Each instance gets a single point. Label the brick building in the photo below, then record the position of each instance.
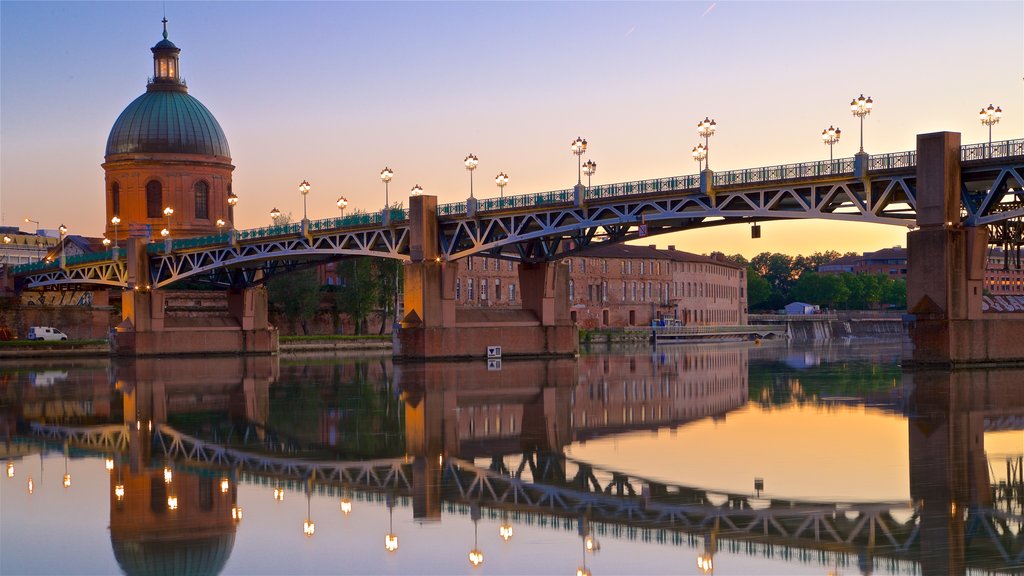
(623, 285)
(1002, 276)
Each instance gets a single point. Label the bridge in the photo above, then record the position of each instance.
(959, 197)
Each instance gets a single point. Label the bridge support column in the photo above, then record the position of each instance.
(946, 267)
(434, 328)
(146, 330)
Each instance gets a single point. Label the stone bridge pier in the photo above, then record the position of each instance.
(146, 329)
(946, 270)
(433, 328)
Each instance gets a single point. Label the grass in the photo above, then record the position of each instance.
(47, 343)
(315, 338)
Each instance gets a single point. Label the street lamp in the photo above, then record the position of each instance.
(416, 191)
(699, 154)
(168, 211)
(220, 225)
(861, 107)
(589, 167)
(304, 190)
(476, 556)
(391, 539)
(471, 161)
(36, 222)
(505, 529)
(386, 175)
(578, 147)
(7, 240)
(501, 180)
(342, 203)
(706, 129)
(309, 527)
(116, 220)
(106, 242)
(988, 117)
(63, 231)
(274, 214)
(830, 137)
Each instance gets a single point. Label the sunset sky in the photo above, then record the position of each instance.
(332, 92)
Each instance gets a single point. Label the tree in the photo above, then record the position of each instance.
(297, 295)
(357, 291)
(388, 273)
(758, 289)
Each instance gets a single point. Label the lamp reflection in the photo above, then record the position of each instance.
(391, 539)
(476, 556)
(10, 469)
(346, 504)
(505, 529)
(309, 527)
(31, 485)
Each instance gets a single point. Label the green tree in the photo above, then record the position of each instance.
(356, 293)
(758, 290)
(297, 295)
(388, 273)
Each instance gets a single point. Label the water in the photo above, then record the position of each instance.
(772, 459)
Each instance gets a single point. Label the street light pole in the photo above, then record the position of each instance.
(830, 137)
(706, 129)
(471, 161)
(386, 175)
(304, 190)
(589, 167)
(579, 147)
(699, 154)
(116, 220)
(417, 190)
(63, 230)
(861, 107)
(274, 215)
(168, 211)
(501, 180)
(342, 203)
(989, 117)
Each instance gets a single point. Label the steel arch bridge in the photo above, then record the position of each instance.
(550, 225)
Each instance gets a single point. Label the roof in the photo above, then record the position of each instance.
(169, 121)
(895, 253)
(610, 250)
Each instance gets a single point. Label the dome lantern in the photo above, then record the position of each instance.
(165, 64)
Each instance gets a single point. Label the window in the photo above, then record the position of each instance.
(572, 290)
(641, 267)
(604, 265)
(623, 291)
(469, 266)
(115, 199)
(590, 292)
(485, 264)
(604, 292)
(511, 292)
(509, 265)
(469, 289)
(570, 265)
(202, 201)
(497, 288)
(154, 199)
(483, 287)
(458, 288)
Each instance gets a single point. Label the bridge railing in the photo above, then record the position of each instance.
(1001, 149)
(837, 167)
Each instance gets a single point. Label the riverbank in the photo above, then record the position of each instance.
(23, 349)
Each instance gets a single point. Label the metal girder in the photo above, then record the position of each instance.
(555, 231)
(991, 196)
(387, 242)
(109, 273)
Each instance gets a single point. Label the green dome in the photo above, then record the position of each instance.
(204, 556)
(167, 121)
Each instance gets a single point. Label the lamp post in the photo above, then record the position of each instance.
(116, 221)
(168, 212)
(589, 167)
(63, 231)
(220, 225)
(501, 180)
(706, 129)
(861, 107)
(990, 116)
(106, 242)
(232, 202)
(7, 240)
(386, 175)
(471, 161)
(309, 527)
(417, 190)
(579, 147)
(342, 203)
(830, 137)
(391, 539)
(304, 190)
(476, 556)
(505, 529)
(274, 215)
(36, 222)
(699, 154)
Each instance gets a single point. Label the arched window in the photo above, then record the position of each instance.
(202, 201)
(115, 199)
(154, 199)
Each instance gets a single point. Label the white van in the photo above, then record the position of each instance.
(45, 333)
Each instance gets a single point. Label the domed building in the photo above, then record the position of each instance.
(166, 150)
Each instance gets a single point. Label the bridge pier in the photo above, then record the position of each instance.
(146, 329)
(946, 270)
(434, 329)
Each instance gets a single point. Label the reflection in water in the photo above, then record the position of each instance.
(178, 439)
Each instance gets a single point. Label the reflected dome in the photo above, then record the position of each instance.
(144, 554)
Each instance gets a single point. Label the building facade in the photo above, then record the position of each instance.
(623, 285)
(166, 150)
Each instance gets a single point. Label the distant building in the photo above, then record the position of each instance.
(19, 247)
(1003, 276)
(623, 285)
(801, 308)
